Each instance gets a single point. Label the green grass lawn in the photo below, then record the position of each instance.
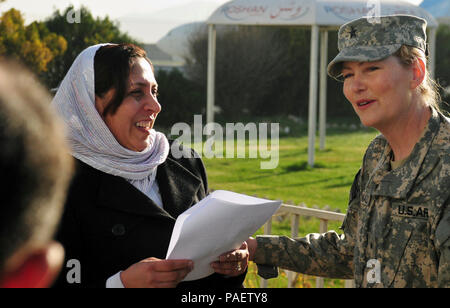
(328, 183)
(293, 181)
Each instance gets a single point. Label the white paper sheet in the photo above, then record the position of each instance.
(217, 224)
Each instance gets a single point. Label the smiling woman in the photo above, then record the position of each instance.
(130, 108)
(397, 227)
(128, 188)
(377, 90)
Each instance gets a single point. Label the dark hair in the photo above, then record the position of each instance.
(112, 69)
(34, 162)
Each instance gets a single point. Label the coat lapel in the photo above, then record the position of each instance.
(178, 187)
(118, 194)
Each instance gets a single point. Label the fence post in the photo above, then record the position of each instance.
(349, 283)
(267, 231)
(295, 219)
(322, 229)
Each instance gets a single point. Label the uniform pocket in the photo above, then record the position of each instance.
(405, 252)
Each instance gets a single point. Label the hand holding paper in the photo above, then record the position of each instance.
(233, 263)
(217, 224)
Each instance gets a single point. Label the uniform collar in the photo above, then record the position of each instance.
(397, 183)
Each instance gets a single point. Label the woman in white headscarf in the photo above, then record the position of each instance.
(128, 189)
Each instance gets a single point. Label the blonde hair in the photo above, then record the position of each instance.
(428, 88)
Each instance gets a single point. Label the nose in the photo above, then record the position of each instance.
(151, 104)
(357, 84)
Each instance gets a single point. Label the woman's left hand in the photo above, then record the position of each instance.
(232, 263)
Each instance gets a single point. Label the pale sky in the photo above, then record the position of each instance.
(145, 20)
(113, 8)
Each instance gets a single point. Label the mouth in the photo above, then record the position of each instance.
(364, 103)
(145, 125)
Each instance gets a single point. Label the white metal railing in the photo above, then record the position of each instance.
(295, 212)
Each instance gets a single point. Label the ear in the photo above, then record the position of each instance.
(39, 269)
(100, 104)
(418, 73)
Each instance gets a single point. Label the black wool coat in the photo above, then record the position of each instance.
(108, 224)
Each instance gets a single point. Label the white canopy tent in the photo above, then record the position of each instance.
(321, 16)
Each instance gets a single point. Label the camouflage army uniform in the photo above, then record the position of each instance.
(397, 227)
(400, 218)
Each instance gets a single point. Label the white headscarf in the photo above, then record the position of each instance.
(91, 140)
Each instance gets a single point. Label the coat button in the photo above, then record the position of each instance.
(118, 229)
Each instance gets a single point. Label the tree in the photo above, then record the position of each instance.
(79, 35)
(442, 73)
(262, 71)
(249, 61)
(34, 44)
(180, 98)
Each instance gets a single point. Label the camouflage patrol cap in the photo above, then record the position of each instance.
(375, 38)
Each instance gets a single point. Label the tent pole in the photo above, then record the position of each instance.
(312, 118)
(323, 87)
(211, 73)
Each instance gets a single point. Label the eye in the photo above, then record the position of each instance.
(155, 91)
(372, 68)
(347, 75)
(137, 93)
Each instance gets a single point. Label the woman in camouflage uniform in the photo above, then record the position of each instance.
(397, 227)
